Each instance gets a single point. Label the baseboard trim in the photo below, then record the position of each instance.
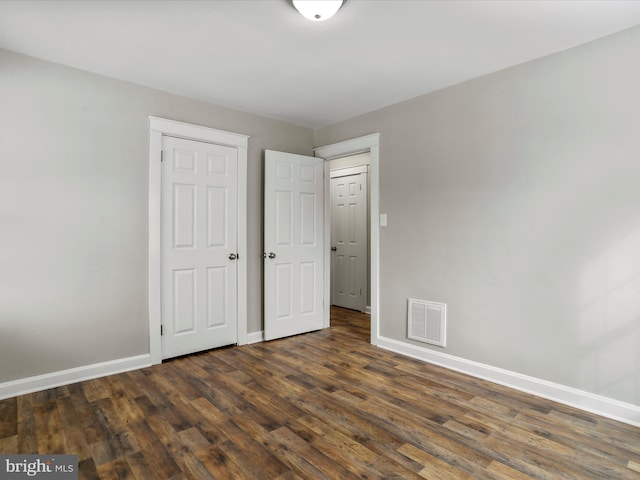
(72, 375)
(255, 337)
(603, 406)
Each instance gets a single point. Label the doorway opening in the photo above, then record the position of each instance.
(369, 144)
(350, 232)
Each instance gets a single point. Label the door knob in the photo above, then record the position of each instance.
(233, 256)
(333, 249)
(272, 255)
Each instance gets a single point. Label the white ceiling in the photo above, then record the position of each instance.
(261, 56)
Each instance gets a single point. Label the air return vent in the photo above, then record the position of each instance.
(427, 322)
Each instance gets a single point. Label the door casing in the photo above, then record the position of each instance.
(368, 143)
(159, 127)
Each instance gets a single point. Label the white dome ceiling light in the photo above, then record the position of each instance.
(317, 10)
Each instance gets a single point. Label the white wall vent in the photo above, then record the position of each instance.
(427, 322)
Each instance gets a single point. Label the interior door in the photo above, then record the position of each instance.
(198, 246)
(348, 241)
(294, 244)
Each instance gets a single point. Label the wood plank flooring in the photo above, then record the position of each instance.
(320, 405)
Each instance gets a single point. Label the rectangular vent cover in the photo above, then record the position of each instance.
(427, 322)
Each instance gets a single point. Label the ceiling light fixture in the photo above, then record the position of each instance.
(317, 10)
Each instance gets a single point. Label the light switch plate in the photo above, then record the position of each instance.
(383, 219)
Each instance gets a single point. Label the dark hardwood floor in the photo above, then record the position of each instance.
(321, 405)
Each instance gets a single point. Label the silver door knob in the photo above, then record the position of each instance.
(233, 256)
(272, 255)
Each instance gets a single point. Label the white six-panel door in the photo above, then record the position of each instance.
(349, 241)
(294, 242)
(198, 246)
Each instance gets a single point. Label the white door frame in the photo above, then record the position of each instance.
(157, 128)
(368, 143)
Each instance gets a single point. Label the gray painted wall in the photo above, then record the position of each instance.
(515, 199)
(73, 211)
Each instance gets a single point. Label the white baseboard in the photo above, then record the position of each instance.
(606, 407)
(255, 337)
(72, 375)
(367, 310)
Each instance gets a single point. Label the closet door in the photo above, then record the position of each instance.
(198, 246)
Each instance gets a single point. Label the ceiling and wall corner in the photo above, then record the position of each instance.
(263, 57)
